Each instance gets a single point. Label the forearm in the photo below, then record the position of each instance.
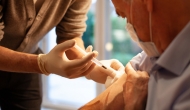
(135, 97)
(18, 62)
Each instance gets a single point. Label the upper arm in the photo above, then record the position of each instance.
(136, 60)
(73, 23)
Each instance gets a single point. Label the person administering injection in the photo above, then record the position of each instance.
(103, 71)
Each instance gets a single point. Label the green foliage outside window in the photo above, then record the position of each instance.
(123, 47)
(88, 36)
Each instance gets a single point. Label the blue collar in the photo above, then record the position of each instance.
(177, 55)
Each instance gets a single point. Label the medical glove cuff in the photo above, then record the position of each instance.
(41, 64)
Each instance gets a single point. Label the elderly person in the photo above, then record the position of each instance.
(161, 28)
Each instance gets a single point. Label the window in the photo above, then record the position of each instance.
(122, 47)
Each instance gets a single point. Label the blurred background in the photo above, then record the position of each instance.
(107, 33)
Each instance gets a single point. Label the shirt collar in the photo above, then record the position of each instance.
(177, 55)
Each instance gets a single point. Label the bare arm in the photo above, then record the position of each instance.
(129, 92)
(18, 62)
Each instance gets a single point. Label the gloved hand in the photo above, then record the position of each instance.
(117, 68)
(114, 69)
(57, 62)
(110, 80)
(107, 76)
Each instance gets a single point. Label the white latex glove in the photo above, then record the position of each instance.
(117, 68)
(114, 70)
(110, 80)
(100, 75)
(57, 62)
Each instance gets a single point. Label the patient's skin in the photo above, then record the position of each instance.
(110, 99)
(129, 92)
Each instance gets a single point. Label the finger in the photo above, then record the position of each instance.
(89, 48)
(132, 75)
(96, 53)
(88, 69)
(65, 45)
(135, 74)
(109, 71)
(129, 68)
(84, 70)
(83, 61)
(117, 65)
(143, 74)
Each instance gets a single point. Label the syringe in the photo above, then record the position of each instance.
(97, 62)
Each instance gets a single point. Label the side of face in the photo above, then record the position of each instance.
(165, 19)
(121, 8)
(136, 13)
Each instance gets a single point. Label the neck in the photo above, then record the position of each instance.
(168, 21)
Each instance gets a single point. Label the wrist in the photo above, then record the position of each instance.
(41, 64)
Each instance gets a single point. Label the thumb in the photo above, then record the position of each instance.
(65, 45)
(129, 68)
